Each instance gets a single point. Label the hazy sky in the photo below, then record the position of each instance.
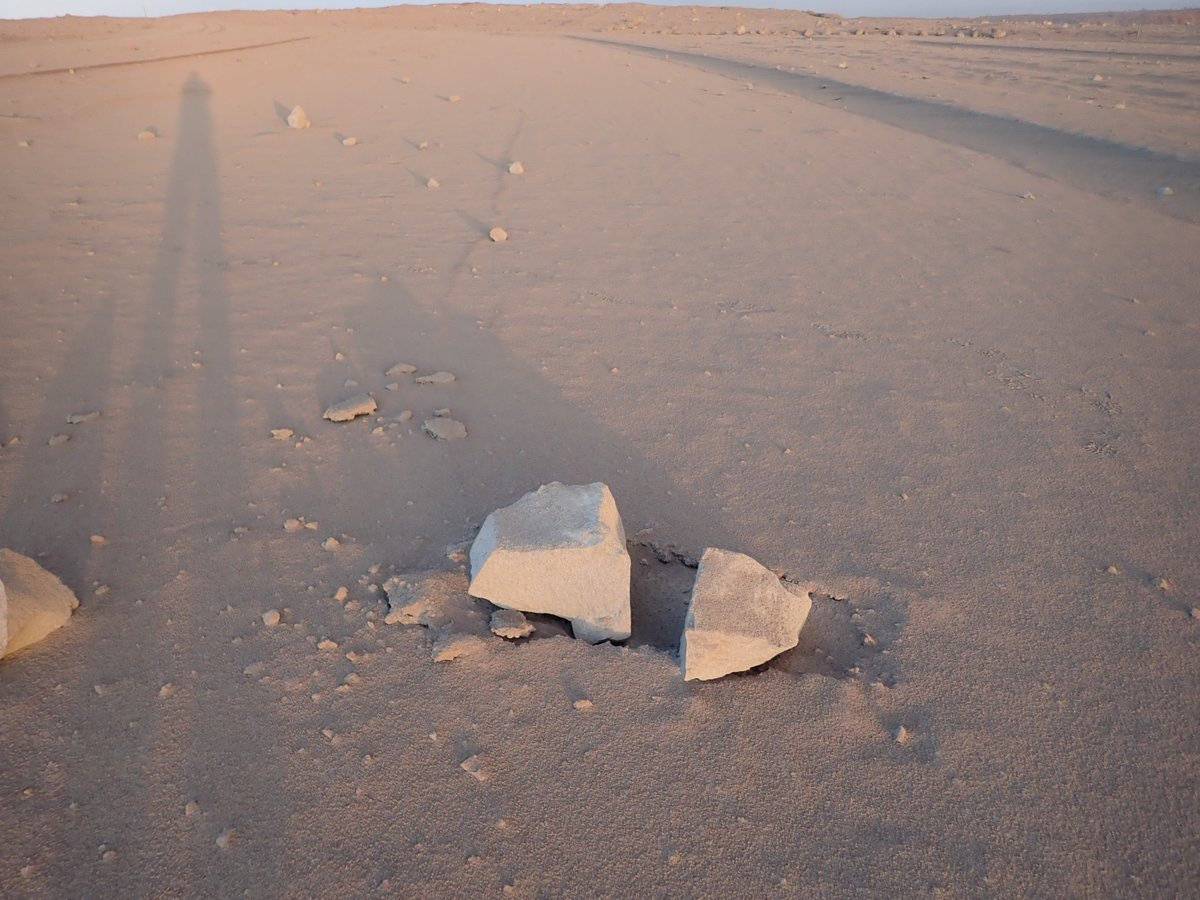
(10, 9)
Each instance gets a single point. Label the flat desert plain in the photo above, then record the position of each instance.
(911, 316)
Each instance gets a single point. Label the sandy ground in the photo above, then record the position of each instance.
(920, 328)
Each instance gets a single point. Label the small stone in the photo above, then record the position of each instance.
(473, 766)
(298, 118)
(902, 735)
(1195, 612)
(191, 808)
(58, 498)
(1097, 78)
(1163, 583)
(80, 418)
(442, 413)
(1028, 196)
(109, 856)
(515, 168)
(583, 705)
(146, 134)
(341, 594)
(511, 624)
(400, 369)
(225, 838)
(433, 184)
(444, 429)
(436, 378)
(345, 410)
(739, 616)
(282, 434)
(330, 544)
(349, 142)
(167, 691)
(1166, 192)
(391, 386)
(498, 234)
(271, 618)
(327, 644)
(454, 646)
(454, 98)
(254, 669)
(843, 65)
(292, 525)
(58, 439)
(1113, 570)
(405, 415)
(98, 539)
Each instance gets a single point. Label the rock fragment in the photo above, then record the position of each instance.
(298, 118)
(435, 378)
(271, 618)
(57, 439)
(473, 766)
(498, 235)
(348, 409)
(33, 602)
(558, 550)
(400, 369)
(349, 142)
(442, 428)
(739, 616)
(511, 624)
(80, 418)
(515, 168)
(433, 184)
(147, 134)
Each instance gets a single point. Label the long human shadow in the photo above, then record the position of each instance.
(1099, 166)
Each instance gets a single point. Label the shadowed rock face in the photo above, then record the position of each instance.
(739, 617)
(33, 602)
(558, 550)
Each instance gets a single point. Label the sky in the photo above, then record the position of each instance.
(15, 9)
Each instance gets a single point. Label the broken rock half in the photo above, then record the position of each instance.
(33, 602)
(740, 616)
(558, 550)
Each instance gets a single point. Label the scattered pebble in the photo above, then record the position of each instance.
(515, 168)
(345, 410)
(191, 808)
(298, 118)
(80, 418)
(400, 369)
(271, 618)
(498, 234)
(902, 735)
(1097, 78)
(327, 644)
(1113, 570)
(330, 544)
(58, 498)
(433, 184)
(147, 134)
(98, 539)
(436, 378)
(58, 439)
(454, 98)
(349, 142)
(292, 525)
(108, 855)
(341, 594)
(583, 705)
(167, 691)
(511, 624)
(1163, 583)
(843, 65)
(282, 434)
(473, 766)
(225, 838)
(444, 429)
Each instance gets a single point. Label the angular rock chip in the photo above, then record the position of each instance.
(498, 234)
(511, 624)
(558, 550)
(435, 378)
(444, 429)
(345, 410)
(33, 602)
(740, 616)
(298, 118)
(400, 369)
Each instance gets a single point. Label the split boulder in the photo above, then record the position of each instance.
(558, 550)
(740, 615)
(33, 602)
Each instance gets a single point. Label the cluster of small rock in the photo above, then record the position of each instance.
(561, 550)
(439, 426)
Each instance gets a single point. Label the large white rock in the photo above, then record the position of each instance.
(558, 550)
(33, 602)
(740, 616)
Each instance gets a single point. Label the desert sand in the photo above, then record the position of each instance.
(914, 317)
